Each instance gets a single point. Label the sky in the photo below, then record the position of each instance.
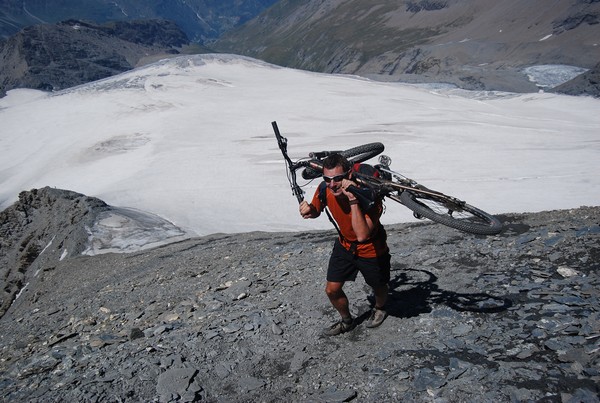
(189, 140)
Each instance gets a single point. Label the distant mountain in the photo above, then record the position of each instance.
(53, 57)
(474, 44)
(201, 20)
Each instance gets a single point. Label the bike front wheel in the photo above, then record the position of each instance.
(445, 210)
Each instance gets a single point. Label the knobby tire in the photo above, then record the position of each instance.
(354, 155)
(464, 217)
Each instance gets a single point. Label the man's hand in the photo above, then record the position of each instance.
(306, 210)
(346, 183)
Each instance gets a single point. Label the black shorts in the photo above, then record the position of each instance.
(344, 266)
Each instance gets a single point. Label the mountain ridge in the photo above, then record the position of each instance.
(473, 44)
(53, 57)
(201, 20)
(478, 45)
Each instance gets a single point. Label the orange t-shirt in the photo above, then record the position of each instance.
(340, 210)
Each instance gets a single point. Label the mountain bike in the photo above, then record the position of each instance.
(424, 202)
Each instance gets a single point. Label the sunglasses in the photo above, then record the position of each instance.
(337, 178)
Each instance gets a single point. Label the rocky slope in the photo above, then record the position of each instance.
(54, 57)
(239, 317)
(474, 44)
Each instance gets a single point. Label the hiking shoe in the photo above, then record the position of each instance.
(339, 328)
(377, 317)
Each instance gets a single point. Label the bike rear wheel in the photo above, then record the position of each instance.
(354, 155)
(363, 153)
(443, 210)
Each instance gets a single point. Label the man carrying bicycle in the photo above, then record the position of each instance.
(361, 245)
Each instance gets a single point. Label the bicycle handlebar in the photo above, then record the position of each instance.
(291, 168)
(315, 164)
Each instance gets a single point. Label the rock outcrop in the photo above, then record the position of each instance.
(48, 225)
(587, 83)
(42, 228)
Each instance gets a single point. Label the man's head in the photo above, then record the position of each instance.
(336, 168)
(335, 160)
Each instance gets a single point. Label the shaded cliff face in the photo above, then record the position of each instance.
(587, 83)
(239, 317)
(54, 57)
(474, 44)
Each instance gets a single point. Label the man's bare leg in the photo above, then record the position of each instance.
(338, 298)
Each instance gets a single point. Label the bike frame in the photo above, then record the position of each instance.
(408, 184)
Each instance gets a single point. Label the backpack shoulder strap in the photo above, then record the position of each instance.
(323, 199)
(323, 194)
